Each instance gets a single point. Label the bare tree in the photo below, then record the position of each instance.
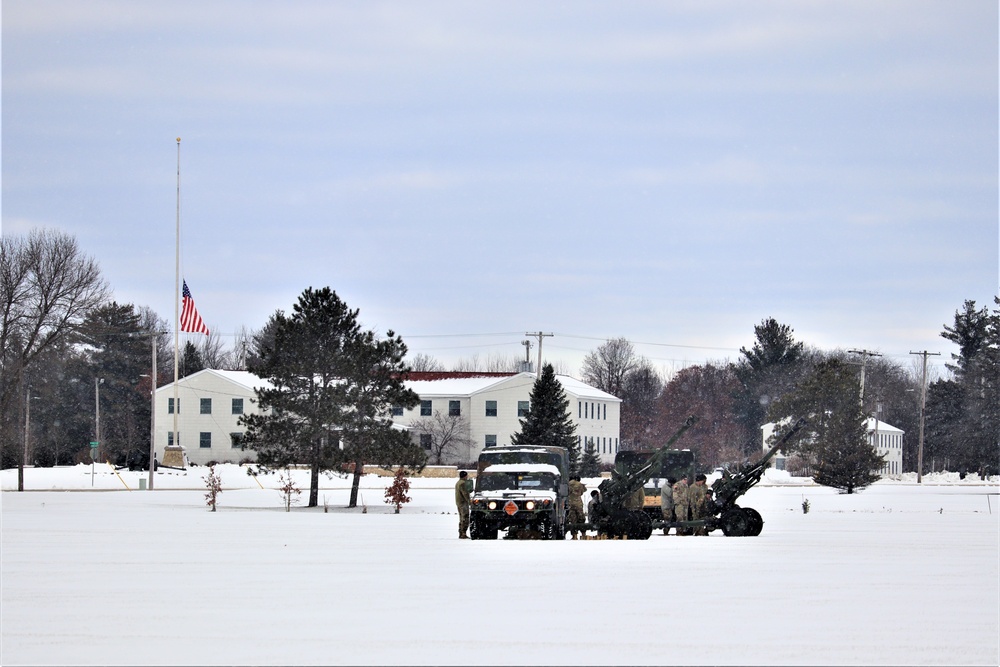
(446, 435)
(425, 364)
(607, 367)
(213, 352)
(47, 287)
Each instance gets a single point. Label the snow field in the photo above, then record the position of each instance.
(899, 574)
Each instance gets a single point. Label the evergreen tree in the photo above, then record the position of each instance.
(548, 421)
(590, 462)
(191, 360)
(963, 413)
(767, 371)
(328, 378)
(836, 438)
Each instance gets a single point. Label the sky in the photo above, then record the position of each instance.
(466, 173)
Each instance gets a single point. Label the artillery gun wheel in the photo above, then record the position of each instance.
(756, 521)
(640, 526)
(737, 523)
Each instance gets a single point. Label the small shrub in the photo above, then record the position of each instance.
(805, 506)
(214, 484)
(395, 494)
(288, 490)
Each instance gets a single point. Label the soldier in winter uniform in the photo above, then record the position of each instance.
(667, 501)
(574, 503)
(463, 498)
(696, 499)
(681, 502)
(595, 498)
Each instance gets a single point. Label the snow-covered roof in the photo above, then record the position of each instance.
(522, 467)
(245, 379)
(461, 385)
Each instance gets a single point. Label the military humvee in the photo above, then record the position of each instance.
(522, 490)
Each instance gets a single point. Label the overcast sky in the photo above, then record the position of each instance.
(670, 172)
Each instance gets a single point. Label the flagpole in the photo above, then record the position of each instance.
(173, 455)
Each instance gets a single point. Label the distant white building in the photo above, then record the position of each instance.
(488, 405)
(885, 438)
(210, 405)
(493, 405)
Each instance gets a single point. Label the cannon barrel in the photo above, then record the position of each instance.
(731, 486)
(614, 491)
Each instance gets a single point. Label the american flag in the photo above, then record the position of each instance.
(190, 319)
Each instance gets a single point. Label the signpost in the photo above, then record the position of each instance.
(93, 457)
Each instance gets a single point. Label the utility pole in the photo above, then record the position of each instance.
(864, 362)
(153, 336)
(540, 335)
(923, 409)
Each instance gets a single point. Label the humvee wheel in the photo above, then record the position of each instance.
(756, 521)
(481, 530)
(736, 523)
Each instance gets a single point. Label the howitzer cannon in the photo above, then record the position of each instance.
(732, 519)
(613, 516)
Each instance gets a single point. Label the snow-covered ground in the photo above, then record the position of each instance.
(899, 574)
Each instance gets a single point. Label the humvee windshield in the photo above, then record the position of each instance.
(527, 481)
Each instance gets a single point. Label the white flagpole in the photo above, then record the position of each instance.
(177, 312)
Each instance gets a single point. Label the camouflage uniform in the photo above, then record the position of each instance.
(667, 502)
(575, 504)
(696, 498)
(636, 500)
(463, 497)
(681, 501)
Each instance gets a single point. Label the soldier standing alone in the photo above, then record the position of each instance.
(575, 503)
(463, 497)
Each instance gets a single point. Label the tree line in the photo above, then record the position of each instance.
(779, 378)
(63, 343)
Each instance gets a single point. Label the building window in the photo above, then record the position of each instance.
(206, 406)
(522, 408)
(237, 406)
(426, 440)
(205, 440)
(491, 440)
(579, 409)
(491, 408)
(170, 406)
(454, 408)
(170, 438)
(425, 408)
(397, 411)
(605, 411)
(237, 440)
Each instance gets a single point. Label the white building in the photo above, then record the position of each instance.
(492, 405)
(488, 405)
(885, 438)
(210, 405)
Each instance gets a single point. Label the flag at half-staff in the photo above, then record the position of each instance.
(190, 319)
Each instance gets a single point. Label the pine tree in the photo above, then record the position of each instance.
(548, 421)
(837, 436)
(328, 379)
(590, 462)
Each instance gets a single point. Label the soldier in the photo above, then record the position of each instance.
(463, 497)
(681, 502)
(575, 503)
(595, 498)
(636, 500)
(667, 502)
(696, 500)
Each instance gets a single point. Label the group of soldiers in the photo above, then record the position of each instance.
(680, 501)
